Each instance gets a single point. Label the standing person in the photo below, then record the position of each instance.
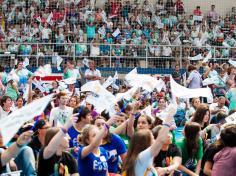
(23, 74)
(139, 160)
(195, 79)
(84, 118)
(60, 114)
(114, 145)
(92, 74)
(53, 158)
(231, 96)
(176, 75)
(71, 72)
(225, 160)
(12, 89)
(191, 147)
(38, 139)
(92, 159)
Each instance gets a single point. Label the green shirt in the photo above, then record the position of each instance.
(181, 144)
(11, 93)
(124, 137)
(72, 74)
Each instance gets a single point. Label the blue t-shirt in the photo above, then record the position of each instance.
(73, 133)
(93, 165)
(114, 148)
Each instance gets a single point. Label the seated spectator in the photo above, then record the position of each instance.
(169, 158)
(23, 155)
(191, 147)
(197, 11)
(176, 75)
(224, 160)
(218, 107)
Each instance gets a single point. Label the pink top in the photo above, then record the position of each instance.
(225, 162)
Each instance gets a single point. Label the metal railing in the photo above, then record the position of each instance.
(112, 55)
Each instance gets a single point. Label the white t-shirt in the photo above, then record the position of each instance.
(143, 162)
(3, 113)
(45, 33)
(214, 106)
(90, 72)
(58, 116)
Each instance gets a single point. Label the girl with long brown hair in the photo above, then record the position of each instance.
(202, 117)
(143, 148)
(191, 147)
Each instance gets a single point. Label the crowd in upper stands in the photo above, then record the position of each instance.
(143, 27)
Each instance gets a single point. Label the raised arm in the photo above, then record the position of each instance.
(14, 149)
(164, 131)
(95, 143)
(29, 100)
(52, 147)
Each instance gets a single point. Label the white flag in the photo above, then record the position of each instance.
(148, 112)
(100, 97)
(108, 82)
(126, 95)
(86, 62)
(147, 82)
(232, 62)
(43, 71)
(102, 31)
(231, 119)
(226, 44)
(183, 92)
(59, 60)
(26, 62)
(196, 58)
(170, 110)
(38, 85)
(209, 56)
(13, 76)
(12, 123)
(49, 19)
(116, 32)
(126, 22)
(139, 21)
(209, 81)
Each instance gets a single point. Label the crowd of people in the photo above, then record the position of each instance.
(119, 29)
(74, 136)
(132, 125)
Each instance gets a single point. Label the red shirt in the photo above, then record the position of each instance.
(56, 16)
(197, 12)
(115, 8)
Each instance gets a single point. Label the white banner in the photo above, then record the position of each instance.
(12, 123)
(183, 92)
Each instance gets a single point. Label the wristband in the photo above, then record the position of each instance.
(64, 130)
(18, 145)
(166, 124)
(107, 126)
